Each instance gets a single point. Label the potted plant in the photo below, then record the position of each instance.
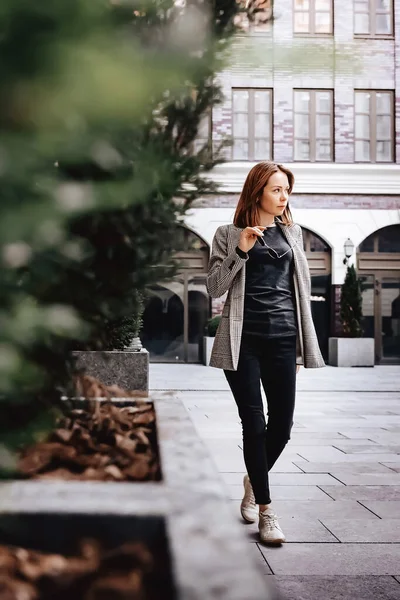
(208, 338)
(351, 350)
(121, 359)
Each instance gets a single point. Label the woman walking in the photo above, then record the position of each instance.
(266, 330)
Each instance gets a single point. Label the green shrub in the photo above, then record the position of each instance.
(351, 304)
(212, 325)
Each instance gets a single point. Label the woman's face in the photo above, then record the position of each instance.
(275, 195)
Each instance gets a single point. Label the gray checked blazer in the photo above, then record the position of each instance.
(227, 273)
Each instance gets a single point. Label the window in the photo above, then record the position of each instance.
(373, 18)
(374, 126)
(386, 240)
(254, 16)
(313, 17)
(252, 124)
(313, 125)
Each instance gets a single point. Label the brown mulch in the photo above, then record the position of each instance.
(95, 573)
(100, 442)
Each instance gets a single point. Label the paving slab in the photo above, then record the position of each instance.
(365, 530)
(369, 478)
(297, 530)
(306, 530)
(284, 466)
(287, 478)
(373, 433)
(229, 463)
(362, 492)
(352, 467)
(371, 448)
(386, 437)
(259, 559)
(393, 420)
(326, 455)
(284, 492)
(385, 509)
(393, 466)
(329, 425)
(333, 559)
(297, 443)
(317, 435)
(320, 509)
(337, 588)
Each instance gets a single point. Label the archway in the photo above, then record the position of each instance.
(176, 311)
(319, 259)
(378, 265)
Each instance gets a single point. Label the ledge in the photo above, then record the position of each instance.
(319, 178)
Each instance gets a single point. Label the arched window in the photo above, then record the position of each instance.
(194, 253)
(378, 266)
(318, 253)
(313, 243)
(383, 240)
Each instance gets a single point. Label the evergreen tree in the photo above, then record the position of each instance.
(100, 104)
(351, 304)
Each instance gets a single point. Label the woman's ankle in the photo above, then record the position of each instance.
(263, 507)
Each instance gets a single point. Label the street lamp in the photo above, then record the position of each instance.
(348, 250)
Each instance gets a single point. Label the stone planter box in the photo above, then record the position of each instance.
(206, 544)
(352, 352)
(129, 370)
(208, 343)
(61, 534)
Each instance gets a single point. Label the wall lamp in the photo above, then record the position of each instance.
(348, 250)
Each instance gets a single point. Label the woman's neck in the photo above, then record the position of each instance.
(265, 219)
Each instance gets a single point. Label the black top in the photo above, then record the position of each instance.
(269, 305)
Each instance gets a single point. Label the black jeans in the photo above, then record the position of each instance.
(273, 362)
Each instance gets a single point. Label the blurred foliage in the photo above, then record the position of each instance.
(100, 103)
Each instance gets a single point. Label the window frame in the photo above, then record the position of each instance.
(311, 23)
(251, 123)
(312, 125)
(373, 126)
(372, 12)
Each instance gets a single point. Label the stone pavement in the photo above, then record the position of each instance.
(336, 487)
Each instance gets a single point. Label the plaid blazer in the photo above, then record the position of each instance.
(227, 273)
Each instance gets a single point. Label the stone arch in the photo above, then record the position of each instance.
(378, 266)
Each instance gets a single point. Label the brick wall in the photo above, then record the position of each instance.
(284, 62)
(397, 75)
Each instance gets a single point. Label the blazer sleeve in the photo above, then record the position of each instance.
(222, 267)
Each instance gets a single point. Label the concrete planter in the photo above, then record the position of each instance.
(129, 370)
(352, 352)
(208, 551)
(208, 343)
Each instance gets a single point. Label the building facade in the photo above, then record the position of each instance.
(318, 90)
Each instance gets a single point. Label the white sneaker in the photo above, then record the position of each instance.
(269, 528)
(248, 506)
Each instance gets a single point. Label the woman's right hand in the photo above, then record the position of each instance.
(249, 236)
